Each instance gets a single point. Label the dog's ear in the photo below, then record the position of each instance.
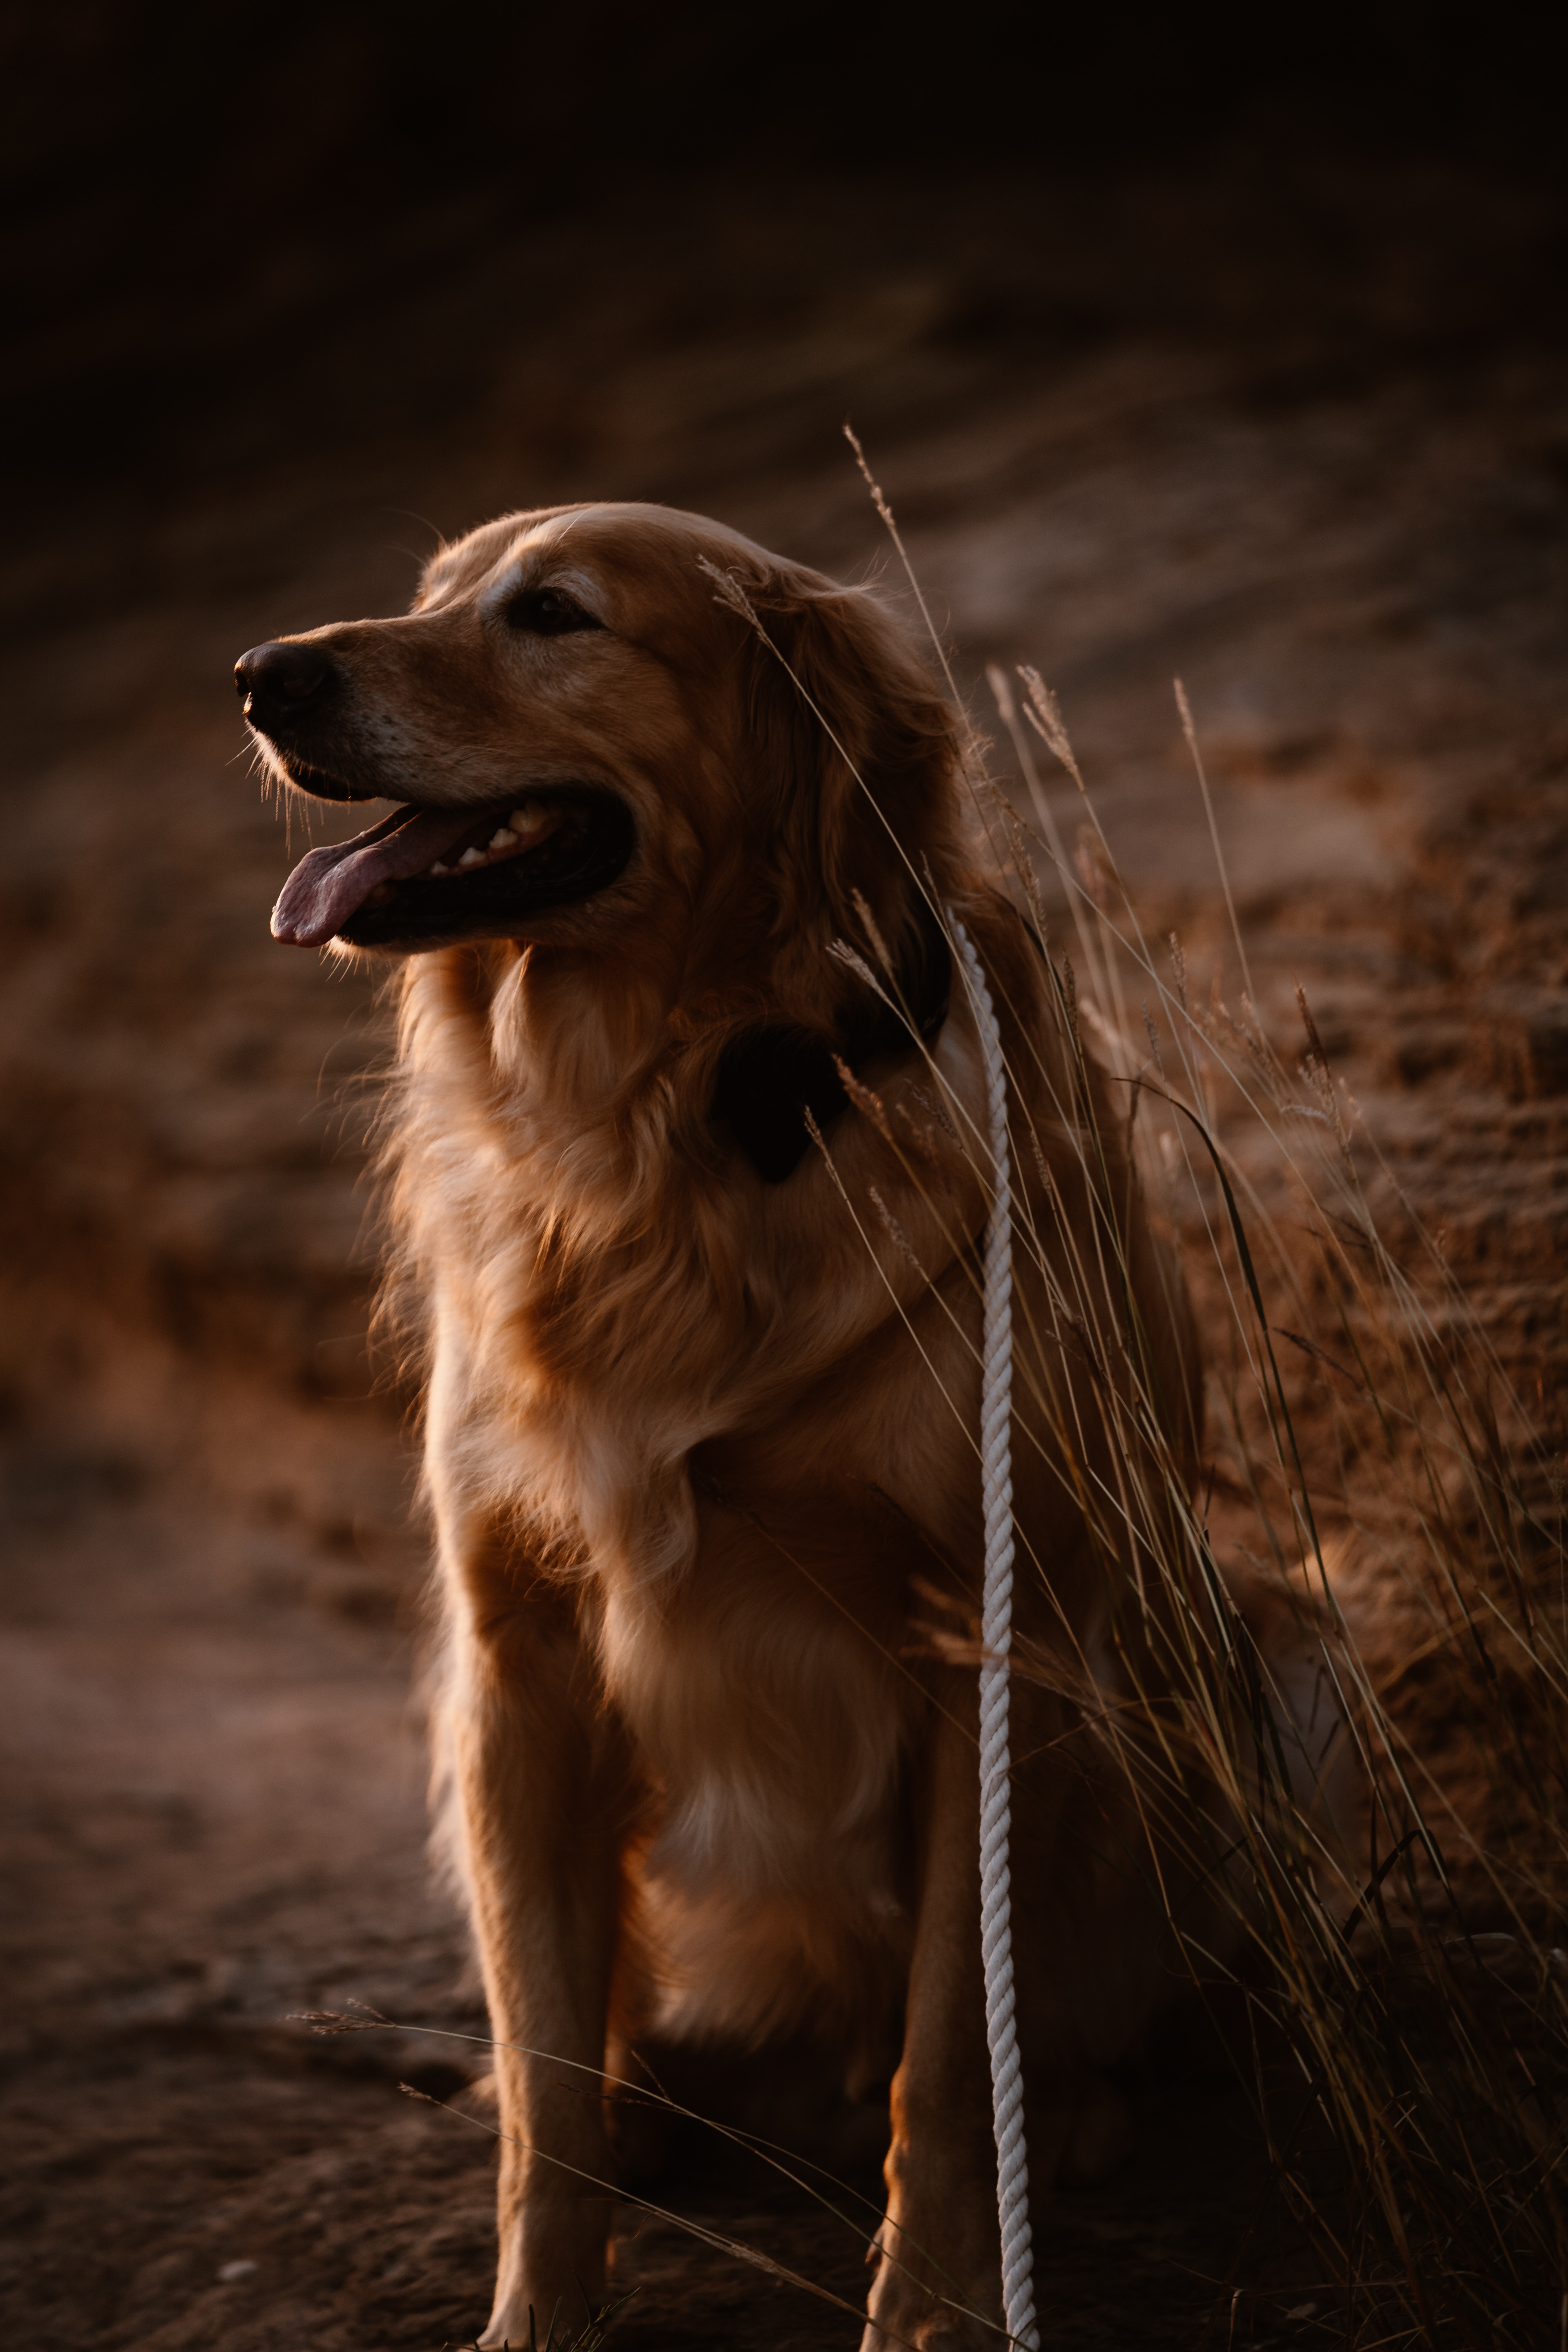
(852, 751)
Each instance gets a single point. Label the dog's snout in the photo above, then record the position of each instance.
(284, 682)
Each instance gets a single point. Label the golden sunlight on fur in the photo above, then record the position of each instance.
(701, 1407)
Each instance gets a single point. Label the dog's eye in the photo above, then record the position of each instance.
(548, 613)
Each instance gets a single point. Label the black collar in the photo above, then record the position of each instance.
(769, 1078)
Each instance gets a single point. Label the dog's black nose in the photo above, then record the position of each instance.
(278, 681)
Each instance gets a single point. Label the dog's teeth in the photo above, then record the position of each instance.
(527, 820)
(438, 868)
(503, 837)
(471, 857)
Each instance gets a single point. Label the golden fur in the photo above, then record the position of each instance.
(699, 1447)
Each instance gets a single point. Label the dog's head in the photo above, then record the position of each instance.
(581, 726)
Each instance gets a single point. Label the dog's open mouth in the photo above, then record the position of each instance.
(428, 876)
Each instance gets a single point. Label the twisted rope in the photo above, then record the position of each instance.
(997, 1636)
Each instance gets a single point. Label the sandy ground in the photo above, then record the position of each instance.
(1316, 465)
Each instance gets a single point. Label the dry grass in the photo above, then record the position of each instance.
(1354, 1633)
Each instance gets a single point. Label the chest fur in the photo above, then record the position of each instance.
(766, 1699)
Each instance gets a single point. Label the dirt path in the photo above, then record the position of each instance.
(1327, 483)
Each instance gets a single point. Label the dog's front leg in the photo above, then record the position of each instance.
(940, 2248)
(540, 1785)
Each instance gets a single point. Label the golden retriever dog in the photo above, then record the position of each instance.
(691, 1198)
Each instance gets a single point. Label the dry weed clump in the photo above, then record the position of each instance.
(1339, 1669)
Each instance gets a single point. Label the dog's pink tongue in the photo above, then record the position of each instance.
(330, 884)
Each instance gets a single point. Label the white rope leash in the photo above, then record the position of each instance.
(997, 1636)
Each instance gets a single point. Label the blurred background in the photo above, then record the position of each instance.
(1181, 344)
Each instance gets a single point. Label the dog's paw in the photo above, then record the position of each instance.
(537, 2312)
(939, 2331)
(906, 2316)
